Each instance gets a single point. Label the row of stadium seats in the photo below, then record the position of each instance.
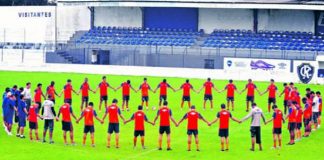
(272, 40)
(140, 36)
(10, 45)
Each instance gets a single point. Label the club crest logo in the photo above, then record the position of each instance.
(305, 72)
(229, 63)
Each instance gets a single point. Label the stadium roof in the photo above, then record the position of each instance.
(243, 4)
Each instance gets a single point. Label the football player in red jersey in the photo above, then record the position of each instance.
(163, 90)
(286, 93)
(38, 96)
(33, 122)
(139, 117)
(223, 116)
(88, 114)
(145, 87)
(292, 116)
(272, 89)
(186, 87)
(230, 87)
(126, 86)
(165, 115)
(113, 112)
(66, 111)
(67, 91)
(307, 114)
(208, 85)
(250, 87)
(299, 118)
(103, 86)
(85, 88)
(51, 91)
(277, 119)
(318, 94)
(192, 126)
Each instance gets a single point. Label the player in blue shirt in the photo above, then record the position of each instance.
(10, 108)
(4, 101)
(22, 115)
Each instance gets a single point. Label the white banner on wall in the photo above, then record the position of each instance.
(254, 64)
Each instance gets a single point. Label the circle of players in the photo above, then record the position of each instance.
(19, 105)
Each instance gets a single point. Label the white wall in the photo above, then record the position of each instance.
(22, 57)
(71, 19)
(118, 16)
(210, 19)
(286, 20)
(27, 24)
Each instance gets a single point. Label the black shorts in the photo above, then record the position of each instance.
(49, 124)
(208, 97)
(85, 99)
(250, 98)
(319, 113)
(291, 126)
(113, 127)
(163, 97)
(33, 125)
(126, 98)
(139, 133)
(315, 116)
(256, 133)
(53, 100)
(185, 98)
(67, 126)
(223, 133)
(276, 131)
(103, 98)
(145, 98)
(306, 121)
(230, 99)
(69, 101)
(285, 103)
(165, 129)
(16, 118)
(272, 100)
(299, 126)
(192, 132)
(88, 129)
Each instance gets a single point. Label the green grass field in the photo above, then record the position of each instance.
(12, 148)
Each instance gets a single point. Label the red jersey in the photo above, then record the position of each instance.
(277, 119)
(308, 110)
(250, 89)
(298, 99)
(145, 89)
(230, 89)
(293, 95)
(38, 95)
(208, 87)
(186, 89)
(292, 114)
(113, 112)
(88, 114)
(66, 111)
(68, 91)
(126, 88)
(299, 116)
(164, 114)
(192, 117)
(51, 91)
(163, 88)
(85, 89)
(139, 118)
(320, 101)
(272, 90)
(32, 114)
(103, 88)
(224, 117)
(286, 92)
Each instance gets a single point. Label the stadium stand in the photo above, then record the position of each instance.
(270, 40)
(140, 36)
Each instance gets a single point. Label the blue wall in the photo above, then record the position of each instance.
(171, 18)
